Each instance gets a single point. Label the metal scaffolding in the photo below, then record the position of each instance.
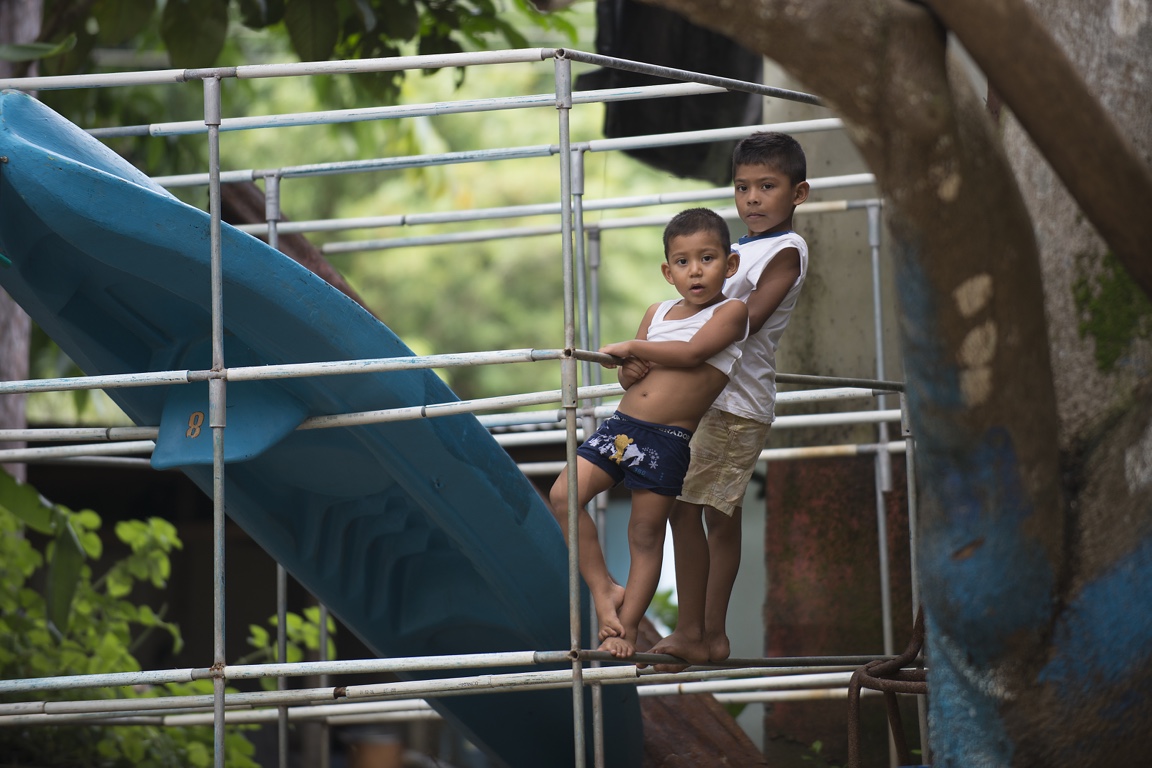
(579, 406)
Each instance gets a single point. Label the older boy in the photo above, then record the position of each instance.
(769, 171)
(673, 370)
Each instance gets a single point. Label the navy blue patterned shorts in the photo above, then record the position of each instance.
(646, 456)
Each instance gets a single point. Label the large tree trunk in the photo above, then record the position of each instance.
(19, 23)
(1032, 558)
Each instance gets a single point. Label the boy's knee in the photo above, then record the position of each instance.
(684, 515)
(646, 537)
(558, 501)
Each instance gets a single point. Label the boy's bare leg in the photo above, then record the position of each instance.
(607, 595)
(646, 527)
(690, 544)
(723, 565)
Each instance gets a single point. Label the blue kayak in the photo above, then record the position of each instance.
(421, 536)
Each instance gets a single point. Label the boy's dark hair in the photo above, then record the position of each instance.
(694, 220)
(778, 150)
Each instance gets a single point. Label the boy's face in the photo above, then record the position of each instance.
(765, 198)
(698, 264)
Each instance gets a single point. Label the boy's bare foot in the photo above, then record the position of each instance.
(607, 612)
(693, 651)
(718, 647)
(619, 647)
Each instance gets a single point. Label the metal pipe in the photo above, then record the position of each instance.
(80, 433)
(293, 69)
(483, 235)
(291, 370)
(508, 439)
(683, 74)
(552, 209)
(325, 730)
(272, 216)
(403, 111)
(506, 153)
(89, 449)
(545, 468)
(774, 683)
(282, 657)
(782, 696)
(569, 392)
(546, 437)
(217, 408)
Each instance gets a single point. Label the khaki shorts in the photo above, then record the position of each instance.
(725, 449)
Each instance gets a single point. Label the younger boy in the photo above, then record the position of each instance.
(674, 368)
(769, 171)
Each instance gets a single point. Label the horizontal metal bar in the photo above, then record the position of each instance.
(553, 468)
(394, 63)
(483, 235)
(838, 381)
(686, 75)
(774, 683)
(449, 409)
(79, 433)
(292, 69)
(403, 111)
(87, 449)
(110, 381)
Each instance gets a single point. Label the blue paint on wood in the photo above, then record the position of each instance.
(1102, 638)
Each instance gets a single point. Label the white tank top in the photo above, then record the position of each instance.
(683, 330)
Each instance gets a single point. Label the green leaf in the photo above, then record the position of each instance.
(194, 31)
(257, 636)
(398, 19)
(258, 14)
(63, 577)
(121, 20)
(35, 51)
(118, 582)
(86, 519)
(313, 27)
(25, 503)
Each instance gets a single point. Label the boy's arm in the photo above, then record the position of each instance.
(727, 324)
(632, 370)
(774, 283)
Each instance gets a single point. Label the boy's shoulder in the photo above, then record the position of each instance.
(767, 245)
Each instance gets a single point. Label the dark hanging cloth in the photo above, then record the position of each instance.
(628, 29)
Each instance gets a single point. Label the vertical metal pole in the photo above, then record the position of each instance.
(579, 258)
(883, 458)
(913, 540)
(563, 68)
(594, 297)
(282, 657)
(587, 421)
(272, 216)
(878, 326)
(216, 411)
(325, 729)
(883, 461)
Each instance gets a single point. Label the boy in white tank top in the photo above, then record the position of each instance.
(769, 172)
(679, 361)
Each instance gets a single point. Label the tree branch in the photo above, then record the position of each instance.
(1099, 167)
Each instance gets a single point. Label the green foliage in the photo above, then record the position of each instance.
(78, 625)
(193, 31)
(1113, 310)
(664, 608)
(303, 635)
(24, 52)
